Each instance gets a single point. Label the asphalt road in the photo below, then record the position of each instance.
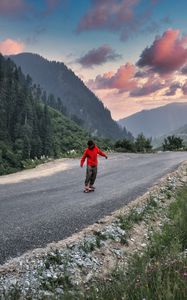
(41, 210)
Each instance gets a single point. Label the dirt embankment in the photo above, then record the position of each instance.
(47, 169)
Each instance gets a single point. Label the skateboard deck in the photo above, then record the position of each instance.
(89, 191)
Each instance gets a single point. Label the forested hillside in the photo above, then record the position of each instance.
(81, 104)
(28, 127)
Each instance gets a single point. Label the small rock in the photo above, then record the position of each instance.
(59, 291)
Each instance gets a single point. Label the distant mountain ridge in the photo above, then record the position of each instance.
(56, 78)
(158, 121)
(180, 132)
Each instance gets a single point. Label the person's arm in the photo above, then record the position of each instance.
(101, 153)
(83, 158)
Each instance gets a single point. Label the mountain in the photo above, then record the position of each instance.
(158, 121)
(29, 128)
(81, 104)
(180, 132)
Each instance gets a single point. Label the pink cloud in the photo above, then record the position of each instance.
(122, 79)
(98, 56)
(167, 54)
(9, 46)
(9, 7)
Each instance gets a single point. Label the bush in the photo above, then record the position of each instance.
(172, 143)
(141, 144)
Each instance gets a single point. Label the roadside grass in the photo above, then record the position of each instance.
(13, 294)
(160, 272)
(136, 215)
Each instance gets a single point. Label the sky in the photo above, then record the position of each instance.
(131, 53)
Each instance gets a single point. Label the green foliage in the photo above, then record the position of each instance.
(52, 259)
(29, 128)
(100, 235)
(172, 143)
(178, 212)
(141, 144)
(124, 146)
(89, 246)
(136, 215)
(13, 294)
(32, 163)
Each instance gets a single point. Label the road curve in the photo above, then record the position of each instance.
(41, 210)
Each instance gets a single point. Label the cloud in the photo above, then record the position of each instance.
(122, 79)
(167, 54)
(15, 8)
(173, 88)
(114, 15)
(107, 14)
(9, 46)
(151, 86)
(184, 88)
(98, 56)
(153, 26)
(9, 7)
(141, 74)
(184, 70)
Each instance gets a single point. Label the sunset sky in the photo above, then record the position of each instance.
(131, 53)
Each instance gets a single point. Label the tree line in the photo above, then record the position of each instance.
(140, 144)
(143, 144)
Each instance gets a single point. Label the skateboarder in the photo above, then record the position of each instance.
(91, 154)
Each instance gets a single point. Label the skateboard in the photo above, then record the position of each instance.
(89, 191)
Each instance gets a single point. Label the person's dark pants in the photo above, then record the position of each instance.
(91, 174)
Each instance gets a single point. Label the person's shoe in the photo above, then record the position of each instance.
(92, 187)
(86, 189)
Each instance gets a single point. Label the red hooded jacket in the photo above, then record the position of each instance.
(91, 155)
